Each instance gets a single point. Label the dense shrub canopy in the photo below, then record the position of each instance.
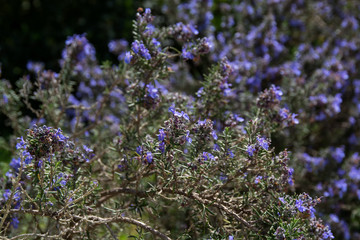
(220, 120)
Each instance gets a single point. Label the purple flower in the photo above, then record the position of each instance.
(327, 235)
(5, 98)
(283, 113)
(263, 143)
(21, 143)
(200, 92)
(338, 154)
(230, 153)
(213, 134)
(188, 138)
(6, 194)
(59, 136)
(186, 52)
(320, 99)
(182, 114)
(290, 171)
(117, 46)
(139, 150)
(336, 103)
(277, 91)
(238, 118)
(293, 118)
(257, 179)
(155, 42)
(250, 150)
(152, 91)
(354, 173)
(149, 157)
(162, 135)
(128, 57)
(35, 67)
(87, 150)
(299, 205)
(162, 147)
(207, 156)
(342, 186)
(14, 222)
(140, 49)
(63, 182)
(27, 156)
(172, 108)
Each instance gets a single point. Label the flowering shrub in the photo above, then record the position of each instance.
(150, 149)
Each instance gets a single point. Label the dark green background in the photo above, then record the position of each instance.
(37, 29)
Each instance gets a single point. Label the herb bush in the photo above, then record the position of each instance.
(221, 121)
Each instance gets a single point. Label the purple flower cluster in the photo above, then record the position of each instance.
(140, 49)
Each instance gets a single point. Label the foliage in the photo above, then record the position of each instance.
(243, 152)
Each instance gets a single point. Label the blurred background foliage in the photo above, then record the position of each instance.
(36, 30)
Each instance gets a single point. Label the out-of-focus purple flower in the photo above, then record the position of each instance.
(128, 57)
(152, 91)
(87, 150)
(162, 135)
(213, 134)
(5, 98)
(172, 108)
(156, 43)
(35, 67)
(15, 163)
(358, 193)
(230, 153)
(207, 156)
(336, 103)
(341, 185)
(188, 138)
(63, 182)
(162, 147)
(283, 113)
(149, 157)
(354, 174)
(250, 150)
(313, 161)
(199, 92)
(338, 154)
(6, 194)
(320, 99)
(334, 218)
(186, 52)
(238, 118)
(21, 143)
(139, 150)
(299, 205)
(290, 179)
(327, 235)
(117, 46)
(293, 118)
(14, 222)
(277, 91)
(263, 143)
(257, 179)
(182, 114)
